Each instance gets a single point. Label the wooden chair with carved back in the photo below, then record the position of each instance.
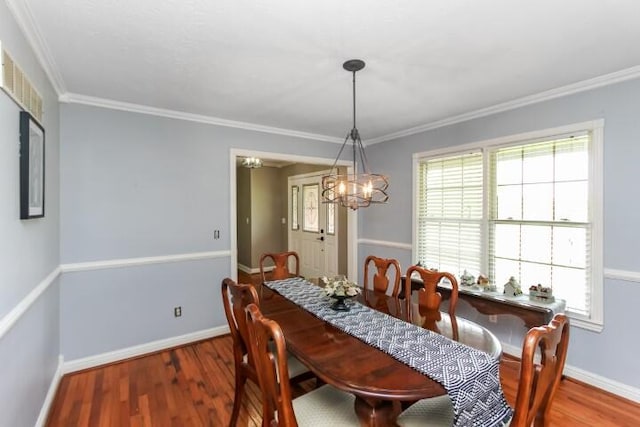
(281, 265)
(536, 388)
(380, 280)
(235, 298)
(324, 406)
(428, 297)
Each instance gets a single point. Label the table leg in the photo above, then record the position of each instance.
(375, 412)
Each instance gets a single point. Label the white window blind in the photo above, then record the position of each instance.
(450, 213)
(528, 206)
(539, 229)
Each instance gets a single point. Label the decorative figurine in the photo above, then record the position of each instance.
(541, 293)
(467, 279)
(512, 287)
(483, 282)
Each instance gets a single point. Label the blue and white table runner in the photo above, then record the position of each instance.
(470, 376)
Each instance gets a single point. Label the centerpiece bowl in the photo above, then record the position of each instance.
(340, 288)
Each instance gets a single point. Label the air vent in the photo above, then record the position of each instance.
(15, 83)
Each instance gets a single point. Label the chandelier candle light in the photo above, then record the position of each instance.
(251, 162)
(354, 190)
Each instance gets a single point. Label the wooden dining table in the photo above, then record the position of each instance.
(382, 385)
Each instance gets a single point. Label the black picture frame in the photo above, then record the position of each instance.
(31, 167)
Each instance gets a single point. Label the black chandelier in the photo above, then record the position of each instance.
(354, 190)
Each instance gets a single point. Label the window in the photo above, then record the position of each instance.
(527, 206)
(450, 213)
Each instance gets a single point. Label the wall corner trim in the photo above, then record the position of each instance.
(51, 394)
(10, 319)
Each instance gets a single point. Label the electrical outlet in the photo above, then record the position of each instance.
(493, 318)
(177, 311)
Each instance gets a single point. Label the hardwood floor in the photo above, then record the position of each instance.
(193, 385)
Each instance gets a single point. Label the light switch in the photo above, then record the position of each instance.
(284, 220)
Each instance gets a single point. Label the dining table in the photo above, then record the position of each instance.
(382, 385)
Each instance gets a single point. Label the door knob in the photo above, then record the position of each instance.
(321, 238)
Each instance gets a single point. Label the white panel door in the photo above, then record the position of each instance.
(309, 223)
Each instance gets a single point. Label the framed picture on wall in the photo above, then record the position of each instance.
(31, 167)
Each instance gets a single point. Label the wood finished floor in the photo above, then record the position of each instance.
(193, 385)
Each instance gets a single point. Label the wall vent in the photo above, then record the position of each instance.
(18, 86)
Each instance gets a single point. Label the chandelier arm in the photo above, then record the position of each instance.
(363, 157)
(335, 162)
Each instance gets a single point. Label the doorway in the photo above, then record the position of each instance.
(315, 229)
(342, 261)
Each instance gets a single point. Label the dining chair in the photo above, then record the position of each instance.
(536, 388)
(428, 296)
(235, 297)
(281, 265)
(324, 406)
(381, 282)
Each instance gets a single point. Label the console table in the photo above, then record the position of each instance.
(533, 313)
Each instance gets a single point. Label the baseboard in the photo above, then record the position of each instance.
(250, 270)
(51, 394)
(594, 380)
(139, 350)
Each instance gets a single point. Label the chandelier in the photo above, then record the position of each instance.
(354, 190)
(251, 162)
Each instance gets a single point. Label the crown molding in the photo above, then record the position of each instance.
(594, 83)
(74, 98)
(24, 18)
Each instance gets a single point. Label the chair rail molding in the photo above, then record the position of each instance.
(129, 262)
(386, 243)
(629, 276)
(10, 319)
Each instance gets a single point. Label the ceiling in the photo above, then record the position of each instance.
(278, 64)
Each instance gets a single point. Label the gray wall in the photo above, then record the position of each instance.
(266, 204)
(613, 352)
(29, 251)
(135, 185)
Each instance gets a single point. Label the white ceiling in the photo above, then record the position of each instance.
(279, 63)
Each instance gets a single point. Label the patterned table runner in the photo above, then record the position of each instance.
(470, 376)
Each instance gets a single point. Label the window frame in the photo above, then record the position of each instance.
(594, 321)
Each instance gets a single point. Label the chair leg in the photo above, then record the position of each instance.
(237, 397)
